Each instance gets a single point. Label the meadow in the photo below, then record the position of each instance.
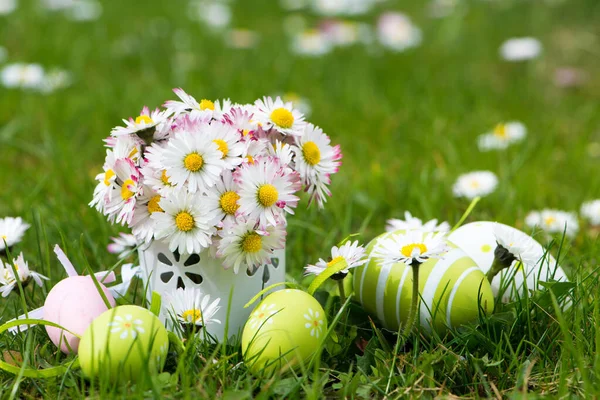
(408, 124)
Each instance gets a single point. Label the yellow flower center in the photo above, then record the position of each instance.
(407, 250)
(282, 117)
(133, 153)
(107, 176)
(193, 162)
(267, 195)
(222, 145)
(184, 221)
(228, 202)
(125, 192)
(193, 315)
(252, 243)
(153, 205)
(245, 132)
(311, 153)
(549, 220)
(206, 105)
(164, 178)
(315, 323)
(250, 159)
(143, 119)
(475, 184)
(500, 131)
(335, 261)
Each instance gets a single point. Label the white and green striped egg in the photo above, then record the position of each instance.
(453, 290)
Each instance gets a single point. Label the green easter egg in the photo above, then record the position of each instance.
(124, 342)
(284, 330)
(452, 288)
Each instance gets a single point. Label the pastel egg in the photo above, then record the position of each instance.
(478, 241)
(73, 304)
(283, 331)
(453, 290)
(125, 342)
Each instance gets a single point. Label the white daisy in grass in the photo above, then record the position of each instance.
(143, 125)
(22, 76)
(224, 198)
(186, 222)
(191, 306)
(503, 135)
(476, 183)
(121, 199)
(278, 115)
(590, 210)
(409, 223)
(147, 204)
(122, 245)
(397, 32)
(520, 49)
(553, 221)
(311, 43)
(7, 6)
(266, 190)
(126, 326)
(228, 141)
(412, 247)
(11, 231)
(8, 279)
(316, 159)
(350, 253)
(514, 245)
(192, 160)
(214, 109)
(240, 118)
(244, 243)
(107, 181)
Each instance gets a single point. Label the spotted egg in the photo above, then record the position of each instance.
(453, 290)
(283, 331)
(478, 241)
(125, 342)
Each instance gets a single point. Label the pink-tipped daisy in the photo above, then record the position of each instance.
(351, 253)
(146, 122)
(275, 114)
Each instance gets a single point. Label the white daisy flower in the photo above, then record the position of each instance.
(216, 15)
(397, 32)
(240, 118)
(8, 280)
(502, 136)
(278, 115)
(267, 191)
(56, 79)
(191, 306)
(204, 107)
(224, 198)
(11, 231)
(243, 243)
(192, 160)
(514, 245)
(520, 49)
(412, 247)
(476, 183)
(147, 204)
(228, 141)
(122, 245)
(124, 146)
(121, 199)
(342, 7)
(85, 10)
(186, 222)
(145, 125)
(311, 43)
(107, 181)
(282, 151)
(7, 6)
(409, 223)
(553, 221)
(316, 160)
(23, 76)
(351, 253)
(589, 210)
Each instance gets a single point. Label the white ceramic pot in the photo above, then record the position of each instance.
(164, 271)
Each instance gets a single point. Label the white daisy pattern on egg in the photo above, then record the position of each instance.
(263, 315)
(127, 326)
(314, 322)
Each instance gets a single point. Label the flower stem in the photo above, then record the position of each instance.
(414, 306)
(342, 292)
(494, 270)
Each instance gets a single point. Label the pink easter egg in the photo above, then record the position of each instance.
(73, 304)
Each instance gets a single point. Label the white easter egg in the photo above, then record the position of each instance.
(478, 241)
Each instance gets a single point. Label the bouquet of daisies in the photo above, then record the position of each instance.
(214, 175)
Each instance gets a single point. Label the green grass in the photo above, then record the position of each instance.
(407, 124)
